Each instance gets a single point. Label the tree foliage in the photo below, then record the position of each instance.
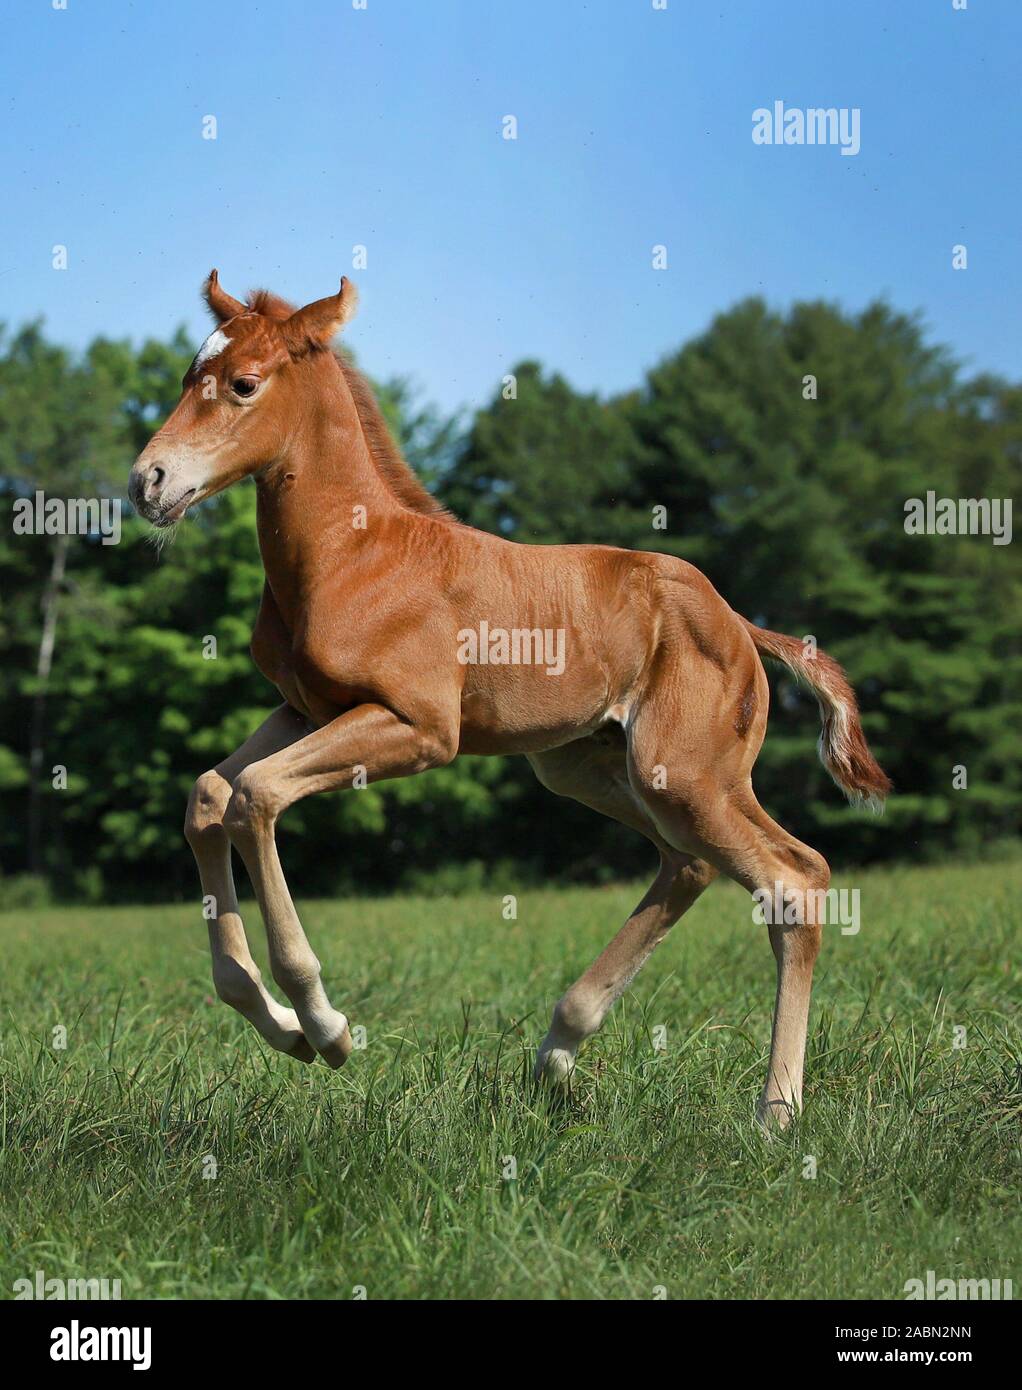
(776, 452)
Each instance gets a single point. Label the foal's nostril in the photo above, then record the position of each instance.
(154, 482)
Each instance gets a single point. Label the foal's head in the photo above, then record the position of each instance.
(238, 407)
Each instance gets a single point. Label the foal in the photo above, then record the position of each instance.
(400, 638)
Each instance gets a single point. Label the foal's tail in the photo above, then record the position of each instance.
(844, 751)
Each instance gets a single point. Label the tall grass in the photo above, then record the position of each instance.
(165, 1145)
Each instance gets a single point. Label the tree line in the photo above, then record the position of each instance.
(779, 452)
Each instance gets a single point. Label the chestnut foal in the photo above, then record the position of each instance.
(399, 638)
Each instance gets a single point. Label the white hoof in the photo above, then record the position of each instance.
(555, 1066)
(774, 1115)
(330, 1037)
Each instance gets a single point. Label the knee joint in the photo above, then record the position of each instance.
(206, 805)
(250, 807)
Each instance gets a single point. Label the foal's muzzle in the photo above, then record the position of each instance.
(154, 497)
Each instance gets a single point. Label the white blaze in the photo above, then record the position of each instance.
(214, 344)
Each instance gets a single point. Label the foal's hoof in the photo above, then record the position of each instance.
(773, 1116)
(336, 1053)
(555, 1068)
(300, 1049)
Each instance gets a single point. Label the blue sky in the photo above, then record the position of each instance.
(382, 127)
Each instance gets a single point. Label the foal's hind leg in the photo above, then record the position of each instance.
(581, 1011)
(593, 773)
(721, 821)
(236, 976)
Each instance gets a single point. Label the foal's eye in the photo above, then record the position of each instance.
(244, 385)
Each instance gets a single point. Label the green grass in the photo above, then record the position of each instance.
(388, 1174)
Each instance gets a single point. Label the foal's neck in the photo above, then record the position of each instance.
(318, 504)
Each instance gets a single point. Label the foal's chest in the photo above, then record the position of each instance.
(291, 664)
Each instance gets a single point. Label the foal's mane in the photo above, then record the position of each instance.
(383, 449)
(397, 473)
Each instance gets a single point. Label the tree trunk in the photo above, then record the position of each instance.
(44, 664)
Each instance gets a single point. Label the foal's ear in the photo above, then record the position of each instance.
(222, 306)
(317, 323)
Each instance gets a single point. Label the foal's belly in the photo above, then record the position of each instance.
(517, 711)
(533, 696)
(520, 721)
(485, 740)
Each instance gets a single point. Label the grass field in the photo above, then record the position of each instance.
(390, 1174)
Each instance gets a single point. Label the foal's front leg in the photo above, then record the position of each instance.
(370, 739)
(235, 974)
